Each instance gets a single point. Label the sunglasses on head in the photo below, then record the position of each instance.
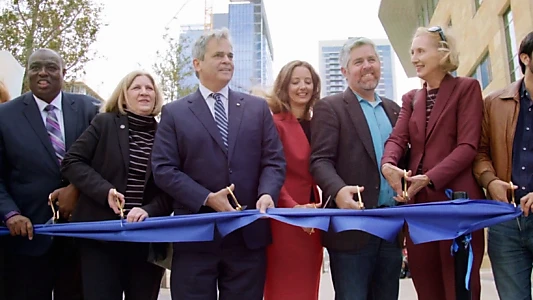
(438, 29)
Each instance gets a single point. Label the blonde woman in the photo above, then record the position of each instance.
(442, 123)
(109, 164)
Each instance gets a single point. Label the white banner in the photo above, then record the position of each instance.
(11, 73)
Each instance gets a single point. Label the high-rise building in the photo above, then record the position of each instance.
(189, 35)
(330, 69)
(488, 34)
(252, 44)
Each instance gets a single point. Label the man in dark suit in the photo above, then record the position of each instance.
(349, 131)
(208, 143)
(35, 131)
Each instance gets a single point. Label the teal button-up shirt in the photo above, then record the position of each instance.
(380, 130)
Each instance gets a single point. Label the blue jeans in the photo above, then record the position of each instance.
(510, 250)
(370, 273)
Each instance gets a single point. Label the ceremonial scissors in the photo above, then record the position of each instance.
(405, 195)
(238, 206)
(361, 204)
(55, 210)
(120, 207)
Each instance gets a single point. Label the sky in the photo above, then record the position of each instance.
(135, 28)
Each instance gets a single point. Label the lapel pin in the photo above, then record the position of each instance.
(122, 126)
(238, 104)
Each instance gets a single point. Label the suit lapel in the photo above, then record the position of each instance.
(200, 109)
(70, 120)
(391, 112)
(419, 113)
(121, 123)
(445, 91)
(236, 109)
(359, 121)
(33, 116)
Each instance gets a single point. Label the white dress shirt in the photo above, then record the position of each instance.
(206, 93)
(58, 111)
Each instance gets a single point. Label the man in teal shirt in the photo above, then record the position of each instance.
(349, 131)
(380, 129)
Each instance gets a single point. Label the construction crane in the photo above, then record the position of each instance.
(208, 15)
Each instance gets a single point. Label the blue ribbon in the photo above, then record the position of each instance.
(427, 222)
(466, 244)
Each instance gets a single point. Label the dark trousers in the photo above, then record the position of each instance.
(35, 277)
(113, 269)
(370, 273)
(239, 274)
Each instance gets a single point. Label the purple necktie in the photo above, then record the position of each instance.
(54, 132)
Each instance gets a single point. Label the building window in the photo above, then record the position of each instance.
(483, 72)
(512, 49)
(478, 3)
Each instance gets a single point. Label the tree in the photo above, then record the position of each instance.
(174, 69)
(67, 26)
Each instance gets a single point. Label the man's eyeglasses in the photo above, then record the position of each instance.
(438, 29)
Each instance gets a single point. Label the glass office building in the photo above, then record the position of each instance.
(330, 69)
(252, 45)
(189, 35)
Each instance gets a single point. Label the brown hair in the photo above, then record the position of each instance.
(4, 93)
(279, 100)
(117, 101)
(450, 59)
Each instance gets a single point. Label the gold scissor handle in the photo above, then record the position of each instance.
(361, 204)
(55, 213)
(239, 207)
(117, 200)
(512, 193)
(405, 195)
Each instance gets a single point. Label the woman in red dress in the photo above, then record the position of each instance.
(294, 259)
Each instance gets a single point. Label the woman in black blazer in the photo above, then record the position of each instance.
(110, 165)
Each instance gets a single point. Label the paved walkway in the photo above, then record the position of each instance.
(407, 290)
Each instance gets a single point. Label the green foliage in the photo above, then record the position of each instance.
(172, 67)
(67, 26)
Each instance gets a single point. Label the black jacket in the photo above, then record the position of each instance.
(99, 161)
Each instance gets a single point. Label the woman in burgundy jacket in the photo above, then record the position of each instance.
(442, 124)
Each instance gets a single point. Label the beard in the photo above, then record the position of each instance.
(369, 85)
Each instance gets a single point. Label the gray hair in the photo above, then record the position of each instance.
(199, 48)
(356, 42)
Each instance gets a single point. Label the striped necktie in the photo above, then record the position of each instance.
(221, 118)
(54, 132)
